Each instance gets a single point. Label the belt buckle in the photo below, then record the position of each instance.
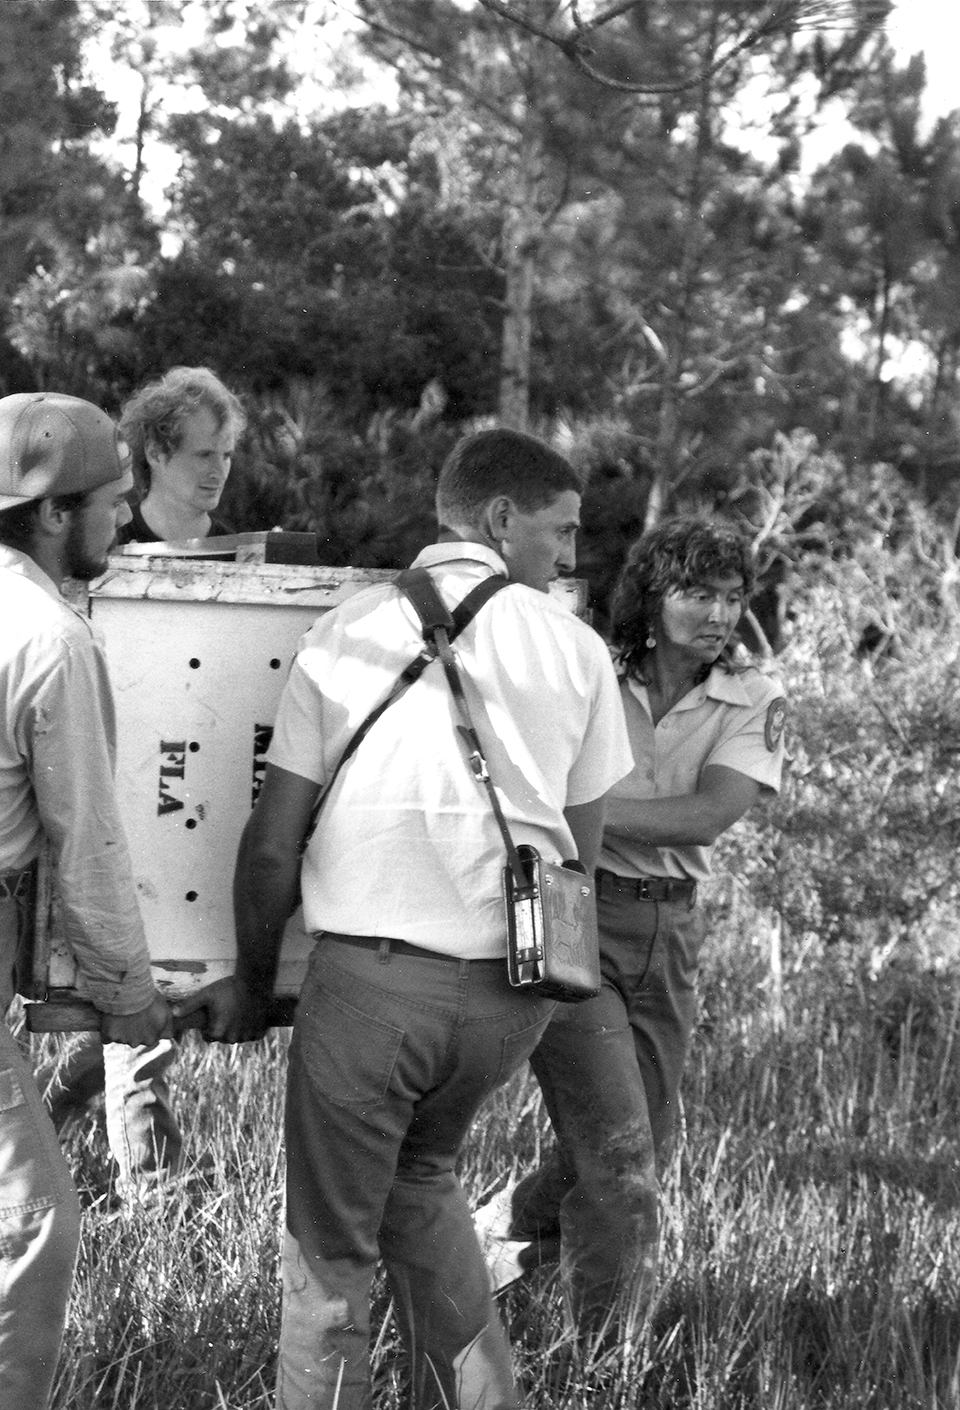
(643, 889)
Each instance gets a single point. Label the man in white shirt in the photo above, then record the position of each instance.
(406, 1020)
(63, 489)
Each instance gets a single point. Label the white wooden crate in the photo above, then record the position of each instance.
(198, 653)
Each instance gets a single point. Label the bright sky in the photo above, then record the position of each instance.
(932, 26)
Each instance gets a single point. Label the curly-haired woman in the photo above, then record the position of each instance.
(706, 730)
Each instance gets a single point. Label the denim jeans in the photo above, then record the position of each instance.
(391, 1056)
(610, 1070)
(144, 1136)
(39, 1215)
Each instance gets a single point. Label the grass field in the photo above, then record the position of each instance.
(811, 1221)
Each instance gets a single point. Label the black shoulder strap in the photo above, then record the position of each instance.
(440, 627)
(417, 585)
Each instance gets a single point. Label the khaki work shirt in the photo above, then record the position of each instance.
(57, 754)
(732, 718)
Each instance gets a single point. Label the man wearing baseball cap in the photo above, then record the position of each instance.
(64, 480)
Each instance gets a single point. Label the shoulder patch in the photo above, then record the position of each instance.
(775, 721)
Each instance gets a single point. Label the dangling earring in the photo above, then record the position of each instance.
(651, 639)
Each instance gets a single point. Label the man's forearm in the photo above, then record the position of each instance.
(265, 894)
(266, 884)
(585, 821)
(73, 786)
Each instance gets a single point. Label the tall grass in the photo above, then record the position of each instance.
(811, 1221)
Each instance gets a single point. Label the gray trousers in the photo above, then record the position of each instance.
(610, 1071)
(39, 1212)
(142, 1129)
(392, 1053)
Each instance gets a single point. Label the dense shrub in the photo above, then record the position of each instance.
(862, 846)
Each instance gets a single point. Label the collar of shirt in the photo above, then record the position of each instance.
(459, 551)
(16, 562)
(720, 685)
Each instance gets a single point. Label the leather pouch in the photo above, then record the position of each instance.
(552, 942)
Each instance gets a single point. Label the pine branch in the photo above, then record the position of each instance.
(782, 17)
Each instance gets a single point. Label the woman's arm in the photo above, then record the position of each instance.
(696, 819)
(585, 821)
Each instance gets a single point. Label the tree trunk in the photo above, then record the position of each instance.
(524, 225)
(878, 393)
(521, 246)
(669, 430)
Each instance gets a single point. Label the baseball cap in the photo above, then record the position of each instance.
(54, 444)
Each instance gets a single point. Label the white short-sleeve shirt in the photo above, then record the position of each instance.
(732, 718)
(407, 845)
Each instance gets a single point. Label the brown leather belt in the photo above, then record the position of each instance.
(395, 947)
(646, 888)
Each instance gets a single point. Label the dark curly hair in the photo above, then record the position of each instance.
(679, 553)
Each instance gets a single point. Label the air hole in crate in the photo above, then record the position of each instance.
(193, 747)
(275, 664)
(191, 823)
(194, 662)
(191, 895)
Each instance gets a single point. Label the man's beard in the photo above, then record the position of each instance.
(79, 561)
